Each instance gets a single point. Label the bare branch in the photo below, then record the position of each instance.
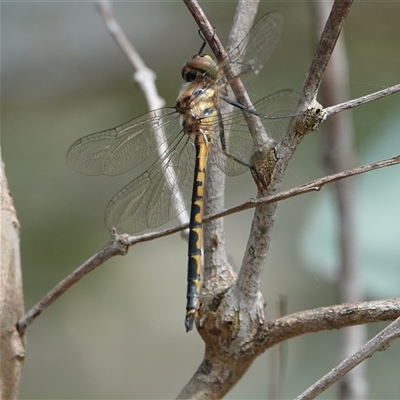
(326, 319)
(144, 76)
(11, 295)
(206, 28)
(378, 343)
(326, 45)
(360, 100)
(256, 129)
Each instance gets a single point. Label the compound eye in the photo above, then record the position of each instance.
(199, 66)
(189, 75)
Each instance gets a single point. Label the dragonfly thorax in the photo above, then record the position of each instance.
(197, 105)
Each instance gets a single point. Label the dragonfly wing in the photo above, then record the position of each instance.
(250, 56)
(159, 194)
(232, 144)
(232, 148)
(278, 108)
(115, 151)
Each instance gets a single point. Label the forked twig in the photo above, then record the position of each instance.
(360, 100)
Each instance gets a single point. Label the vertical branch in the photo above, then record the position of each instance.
(11, 296)
(217, 271)
(339, 155)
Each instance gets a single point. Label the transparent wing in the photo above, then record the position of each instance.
(115, 151)
(278, 108)
(232, 151)
(149, 200)
(250, 56)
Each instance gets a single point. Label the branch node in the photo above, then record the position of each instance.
(120, 242)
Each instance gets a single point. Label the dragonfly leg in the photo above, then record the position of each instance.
(223, 143)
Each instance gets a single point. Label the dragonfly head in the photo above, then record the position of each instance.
(199, 66)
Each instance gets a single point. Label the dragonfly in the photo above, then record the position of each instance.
(180, 140)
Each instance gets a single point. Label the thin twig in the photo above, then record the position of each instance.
(326, 45)
(311, 186)
(256, 129)
(378, 343)
(325, 319)
(360, 100)
(144, 76)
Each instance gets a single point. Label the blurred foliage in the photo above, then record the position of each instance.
(377, 221)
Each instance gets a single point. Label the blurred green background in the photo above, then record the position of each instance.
(119, 333)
